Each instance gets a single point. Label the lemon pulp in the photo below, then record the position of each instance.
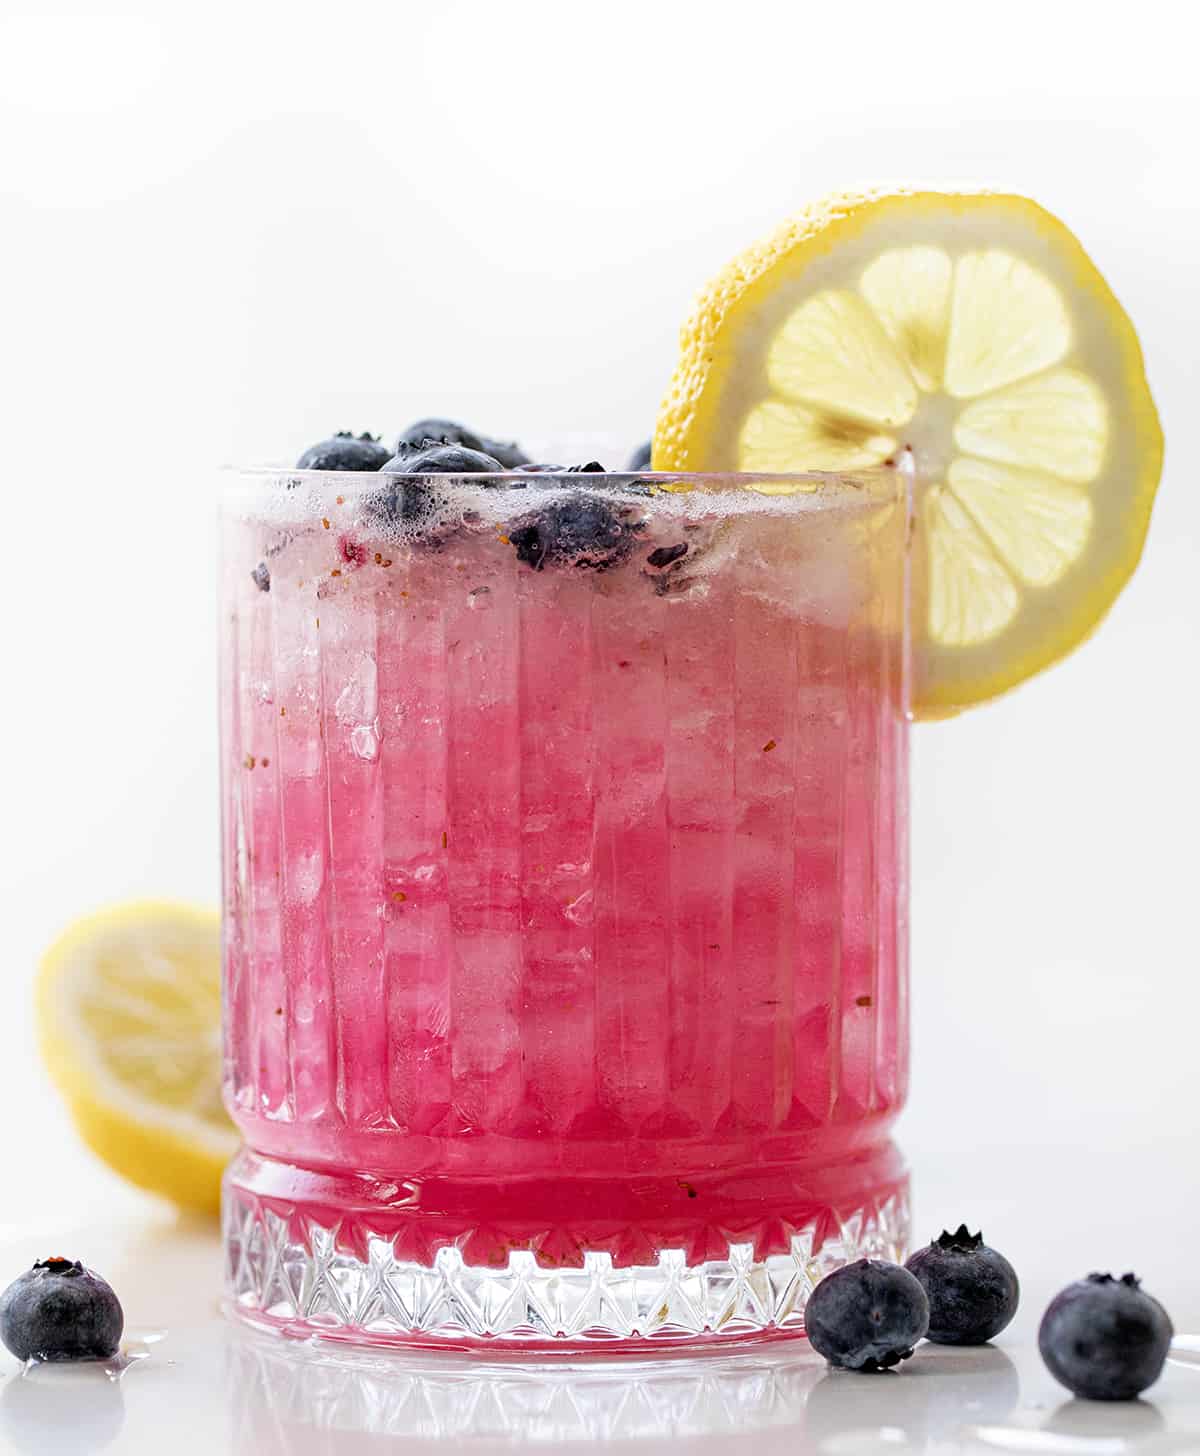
(972, 331)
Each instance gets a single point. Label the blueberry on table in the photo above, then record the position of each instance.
(581, 530)
(640, 459)
(345, 451)
(1105, 1338)
(58, 1310)
(867, 1315)
(972, 1290)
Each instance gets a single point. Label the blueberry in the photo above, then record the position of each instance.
(972, 1290)
(593, 467)
(344, 452)
(450, 432)
(581, 530)
(435, 459)
(867, 1315)
(441, 432)
(508, 452)
(59, 1310)
(401, 500)
(261, 576)
(640, 459)
(413, 500)
(664, 555)
(1104, 1338)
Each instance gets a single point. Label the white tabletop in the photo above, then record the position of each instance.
(197, 1384)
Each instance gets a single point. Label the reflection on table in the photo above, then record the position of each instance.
(297, 1399)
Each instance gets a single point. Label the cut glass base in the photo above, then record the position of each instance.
(303, 1282)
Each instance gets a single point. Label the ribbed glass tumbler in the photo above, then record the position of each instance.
(565, 888)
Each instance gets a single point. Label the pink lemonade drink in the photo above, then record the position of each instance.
(565, 901)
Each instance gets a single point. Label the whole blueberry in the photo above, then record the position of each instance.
(344, 451)
(438, 432)
(58, 1310)
(1105, 1338)
(409, 500)
(450, 432)
(435, 459)
(640, 459)
(867, 1315)
(261, 576)
(580, 530)
(972, 1290)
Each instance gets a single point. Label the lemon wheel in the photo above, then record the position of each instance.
(974, 332)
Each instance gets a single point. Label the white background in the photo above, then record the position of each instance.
(227, 233)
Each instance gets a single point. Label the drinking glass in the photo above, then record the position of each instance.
(565, 901)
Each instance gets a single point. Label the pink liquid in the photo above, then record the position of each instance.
(565, 908)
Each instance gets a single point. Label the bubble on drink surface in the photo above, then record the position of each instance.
(789, 545)
(343, 498)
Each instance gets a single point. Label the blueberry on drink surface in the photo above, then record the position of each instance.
(411, 500)
(580, 530)
(973, 1291)
(1105, 1338)
(866, 1316)
(449, 432)
(640, 459)
(58, 1310)
(440, 459)
(261, 576)
(344, 451)
(437, 432)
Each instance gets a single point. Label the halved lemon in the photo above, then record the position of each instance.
(972, 330)
(129, 1019)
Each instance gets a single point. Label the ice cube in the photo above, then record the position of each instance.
(357, 701)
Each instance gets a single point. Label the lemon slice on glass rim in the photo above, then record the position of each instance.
(971, 331)
(129, 1020)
